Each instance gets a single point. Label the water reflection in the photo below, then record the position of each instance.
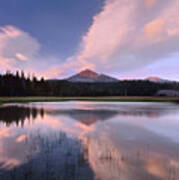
(87, 113)
(57, 157)
(140, 154)
(18, 114)
(80, 140)
(86, 117)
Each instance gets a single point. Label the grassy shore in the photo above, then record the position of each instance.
(102, 99)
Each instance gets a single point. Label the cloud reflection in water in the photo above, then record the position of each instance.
(124, 138)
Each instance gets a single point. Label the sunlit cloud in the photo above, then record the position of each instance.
(16, 45)
(126, 35)
(131, 39)
(124, 40)
(19, 50)
(21, 57)
(154, 29)
(150, 3)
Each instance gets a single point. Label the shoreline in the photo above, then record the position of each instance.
(5, 100)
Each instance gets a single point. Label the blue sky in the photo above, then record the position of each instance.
(124, 38)
(57, 24)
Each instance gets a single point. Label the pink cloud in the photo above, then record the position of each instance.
(150, 3)
(19, 50)
(21, 57)
(154, 29)
(16, 45)
(9, 31)
(125, 35)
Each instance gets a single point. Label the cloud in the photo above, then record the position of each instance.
(19, 50)
(127, 35)
(16, 45)
(21, 57)
(150, 3)
(154, 29)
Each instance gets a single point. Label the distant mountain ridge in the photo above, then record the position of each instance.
(158, 80)
(91, 76)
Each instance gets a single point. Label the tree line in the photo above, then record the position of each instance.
(21, 85)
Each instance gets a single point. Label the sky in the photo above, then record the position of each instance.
(123, 38)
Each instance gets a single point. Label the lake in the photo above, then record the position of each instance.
(89, 140)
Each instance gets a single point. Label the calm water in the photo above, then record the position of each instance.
(89, 140)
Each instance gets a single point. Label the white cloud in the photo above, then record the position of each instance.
(19, 50)
(16, 45)
(127, 35)
(21, 57)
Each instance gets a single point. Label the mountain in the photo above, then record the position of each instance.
(91, 76)
(158, 80)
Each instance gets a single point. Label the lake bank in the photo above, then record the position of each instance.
(4, 100)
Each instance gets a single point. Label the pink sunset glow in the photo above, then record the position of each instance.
(144, 32)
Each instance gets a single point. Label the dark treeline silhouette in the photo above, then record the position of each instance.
(20, 85)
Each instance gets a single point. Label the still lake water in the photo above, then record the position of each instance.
(89, 140)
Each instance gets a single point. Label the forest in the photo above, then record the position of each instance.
(21, 85)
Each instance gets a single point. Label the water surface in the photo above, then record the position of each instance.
(89, 140)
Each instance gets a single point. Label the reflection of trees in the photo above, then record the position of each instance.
(18, 114)
(91, 116)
